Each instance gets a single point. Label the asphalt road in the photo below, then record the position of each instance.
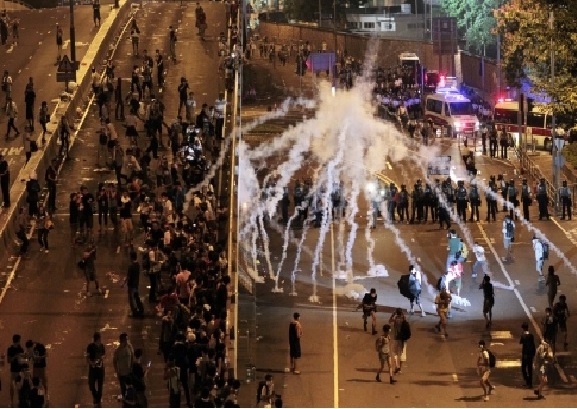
(46, 301)
(339, 362)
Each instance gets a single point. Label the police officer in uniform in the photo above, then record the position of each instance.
(542, 199)
(525, 199)
(392, 204)
(403, 203)
(493, 142)
(565, 194)
(504, 190)
(475, 200)
(449, 193)
(428, 203)
(512, 197)
(462, 201)
(417, 203)
(491, 197)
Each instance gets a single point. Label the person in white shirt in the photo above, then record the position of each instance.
(415, 282)
(538, 250)
(481, 261)
(508, 237)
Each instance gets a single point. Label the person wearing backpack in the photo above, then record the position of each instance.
(401, 333)
(540, 363)
(383, 348)
(443, 302)
(538, 250)
(508, 237)
(484, 369)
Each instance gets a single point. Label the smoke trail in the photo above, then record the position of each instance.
(352, 211)
(266, 247)
(370, 241)
(286, 237)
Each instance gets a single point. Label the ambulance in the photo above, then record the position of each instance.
(450, 112)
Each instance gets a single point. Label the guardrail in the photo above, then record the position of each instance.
(97, 52)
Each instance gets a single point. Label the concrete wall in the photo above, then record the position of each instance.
(356, 45)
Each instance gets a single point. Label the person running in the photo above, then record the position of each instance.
(87, 264)
(561, 312)
(550, 327)
(369, 306)
(488, 300)
(540, 365)
(399, 326)
(383, 347)
(443, 302)
(295, 335)
(484, 370)
(481, 260)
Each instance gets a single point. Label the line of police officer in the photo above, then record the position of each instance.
(426, 199)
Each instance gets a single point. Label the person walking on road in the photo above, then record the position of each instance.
(295, 335)
(561, 312)
(6, 87)
(43, 119)
(484, 370)
(508, 238)
(88, 265)
(488, 300)
(95, 354)
(383, 347)
(540, 364)
(538, 251)
(527, 355)
(96, 12)
(4, 181)
(135, 36)
(27, 139)
(122, 360)
(45, 224)
(12, 114)
(415, 286)
(13, 358)
(369, 306)
(443, 302)
(59, 42)
(553, 284)
(29, 99)
(172, 43)
(50, 178)
(401, 334)
(480, 261)
(132, 281)
(550, 328)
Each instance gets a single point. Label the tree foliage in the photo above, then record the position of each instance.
(475, 19)
(527, 41)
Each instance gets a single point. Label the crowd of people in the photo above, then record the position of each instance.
(164, 211)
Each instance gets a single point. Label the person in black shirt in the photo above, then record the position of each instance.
(95, 353)
(37, 393)
(50, 179)
(527, 354)
(369, 306)
(13, 354)
(96, 12)
(29, 98)
(73, 217)
(183, 93)
(131, 282)
(88, 211)
(5, 181)
(488, 300)
(138, 379)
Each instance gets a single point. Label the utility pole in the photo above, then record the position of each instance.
(72, 35)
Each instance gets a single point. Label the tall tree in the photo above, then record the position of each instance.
(529, 37)
(475, 20)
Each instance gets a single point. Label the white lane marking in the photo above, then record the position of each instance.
(517, 282)
(9, 280)
(567, 233)
(455, 378)
(533, 309)
(528, 312)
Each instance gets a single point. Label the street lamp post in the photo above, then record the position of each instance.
(72, 34)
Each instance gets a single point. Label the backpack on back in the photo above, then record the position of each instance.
(545, 246)
(510, 229)
(492, 359)
(403, 285)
